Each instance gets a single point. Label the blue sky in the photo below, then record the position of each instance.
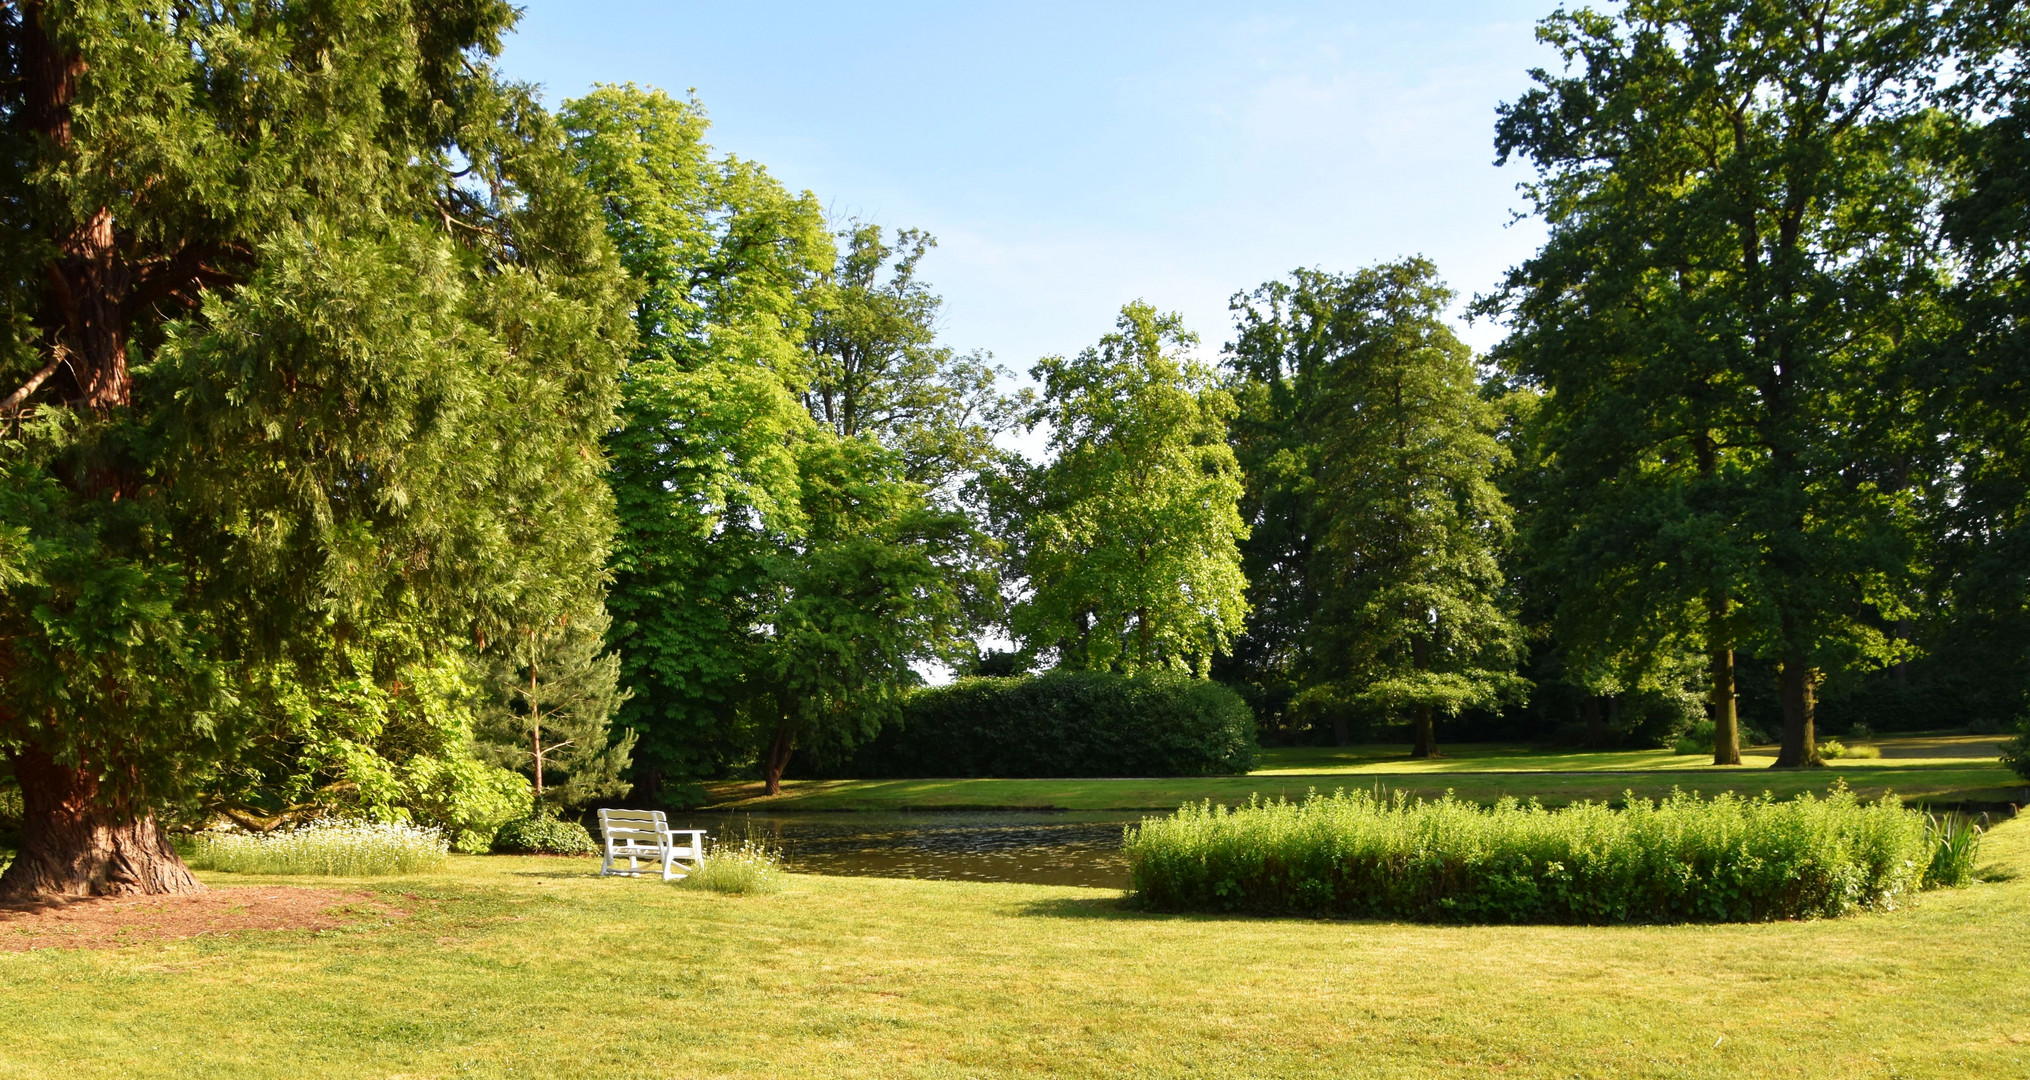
(1072, 157)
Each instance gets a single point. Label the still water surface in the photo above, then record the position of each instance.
(1067, 848)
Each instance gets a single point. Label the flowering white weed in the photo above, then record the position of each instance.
(746, 867)
(338, 848)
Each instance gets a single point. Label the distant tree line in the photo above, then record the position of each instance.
(380, 442)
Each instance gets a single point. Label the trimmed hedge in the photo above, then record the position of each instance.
(1685, 859)
(1065, 723)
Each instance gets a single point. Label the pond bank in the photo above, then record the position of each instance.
(1971, 784)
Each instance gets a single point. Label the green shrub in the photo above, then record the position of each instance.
(337, 848)
(1834, 750)
(1686, 859)
(747, 867)
(2016, 752)
(1065, 723)
(543, 834)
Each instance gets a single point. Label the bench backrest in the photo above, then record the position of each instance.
(639, 826)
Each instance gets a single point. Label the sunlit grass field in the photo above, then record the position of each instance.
(535, 967)
(1941, 769)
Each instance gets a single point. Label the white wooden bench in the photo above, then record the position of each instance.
(635, 835)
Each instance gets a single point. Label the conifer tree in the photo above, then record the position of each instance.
(556, 689)
(310, 336)
(1410, 618)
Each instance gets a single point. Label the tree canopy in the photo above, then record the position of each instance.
(315, 336)
(1739, 255)
(1128, 535)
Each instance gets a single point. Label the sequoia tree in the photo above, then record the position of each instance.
(1740, 250)
(310, 336)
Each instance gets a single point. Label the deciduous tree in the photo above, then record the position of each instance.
(1129, 535)
(1738, 205)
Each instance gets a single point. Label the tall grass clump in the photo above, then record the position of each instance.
(1954, 841)
(335, 848)
(1685, 859)
(746, 867)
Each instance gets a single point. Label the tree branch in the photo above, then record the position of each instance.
(14, 400)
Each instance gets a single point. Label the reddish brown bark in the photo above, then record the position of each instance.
(74, 844)
(85, 830)
(779, 750)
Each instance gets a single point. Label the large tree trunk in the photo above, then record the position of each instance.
(1424, 741)
(1800, 748)
(1342, 732)
(779, 750)
(1726, 729)
(73, 844)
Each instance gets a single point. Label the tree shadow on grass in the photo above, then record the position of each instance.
(1083, 907)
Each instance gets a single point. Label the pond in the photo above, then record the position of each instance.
(1038, 848)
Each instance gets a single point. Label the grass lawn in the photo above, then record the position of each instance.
(1951, 769)
(528, 967)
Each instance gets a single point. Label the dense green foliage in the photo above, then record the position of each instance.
(349, 391)
(775, 578)
(1127, 536)
(1740, 261)
(557, 690)
(1685, 859)
(313, 417)
(543, 834)
(1374, 459)
(1065, 723)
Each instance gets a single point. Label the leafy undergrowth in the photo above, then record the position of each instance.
(348, 849)
(1683, 859)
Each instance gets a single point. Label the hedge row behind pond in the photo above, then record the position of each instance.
(1065, 723)
(1685, 859)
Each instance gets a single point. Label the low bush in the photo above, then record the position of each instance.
(1834, 750)
(746, 867)
(337, 848)
(1065, 723)
(1685, 859)
(543, 834)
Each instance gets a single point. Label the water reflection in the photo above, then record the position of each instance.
(1070, 848)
